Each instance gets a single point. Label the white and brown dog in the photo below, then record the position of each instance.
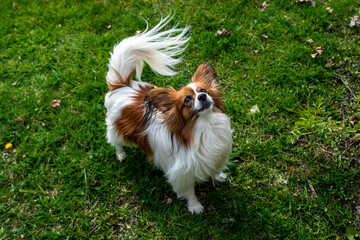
(185, 132)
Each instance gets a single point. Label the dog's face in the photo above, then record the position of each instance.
(180, 109)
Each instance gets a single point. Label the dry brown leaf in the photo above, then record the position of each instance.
(354, 122)
(318, 51)
(21, 118)
(262, 6)
(55, 103)
(354, 21)
(223, 32)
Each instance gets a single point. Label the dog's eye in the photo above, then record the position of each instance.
(187, 99)
(203, 90)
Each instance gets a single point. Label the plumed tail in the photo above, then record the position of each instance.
(157, 48)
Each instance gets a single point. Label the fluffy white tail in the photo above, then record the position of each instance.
(158, 49)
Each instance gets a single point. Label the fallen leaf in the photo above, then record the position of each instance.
(329, 9)
(357, 208)
(262, 6)
(318, 51)
(354, 122)
(291, 169)
(21, 118)
(313, 2)
(223, 32)
(354, 21)
(8, 145)
(137, 32)
(55, 103)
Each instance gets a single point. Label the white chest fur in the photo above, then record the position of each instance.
(206, 157)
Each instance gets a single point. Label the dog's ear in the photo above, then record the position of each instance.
(162, 98)
(205, 74)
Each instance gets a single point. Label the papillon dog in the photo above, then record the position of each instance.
(185, 133)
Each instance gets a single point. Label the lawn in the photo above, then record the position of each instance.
(290, 74)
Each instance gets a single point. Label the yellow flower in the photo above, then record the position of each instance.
(8, 145)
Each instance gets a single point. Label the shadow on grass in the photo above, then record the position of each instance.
(230, 210)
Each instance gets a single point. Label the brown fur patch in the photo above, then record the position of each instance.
(177, 115)
(132, 123)
(119, 83)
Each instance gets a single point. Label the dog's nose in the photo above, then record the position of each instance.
(202, 97)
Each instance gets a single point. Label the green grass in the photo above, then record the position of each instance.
(294, 171)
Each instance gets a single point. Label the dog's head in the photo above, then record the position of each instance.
(181, 109)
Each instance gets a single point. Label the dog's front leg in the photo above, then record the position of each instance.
(194, 206)
(184, 188)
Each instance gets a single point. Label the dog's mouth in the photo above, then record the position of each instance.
(206, 106)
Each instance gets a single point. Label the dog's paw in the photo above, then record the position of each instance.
(195, 208)
(120, 156)
(220, 177)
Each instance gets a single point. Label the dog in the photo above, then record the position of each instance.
(185, 133)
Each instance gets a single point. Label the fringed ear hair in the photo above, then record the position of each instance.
(205, 74)
(162, 98)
